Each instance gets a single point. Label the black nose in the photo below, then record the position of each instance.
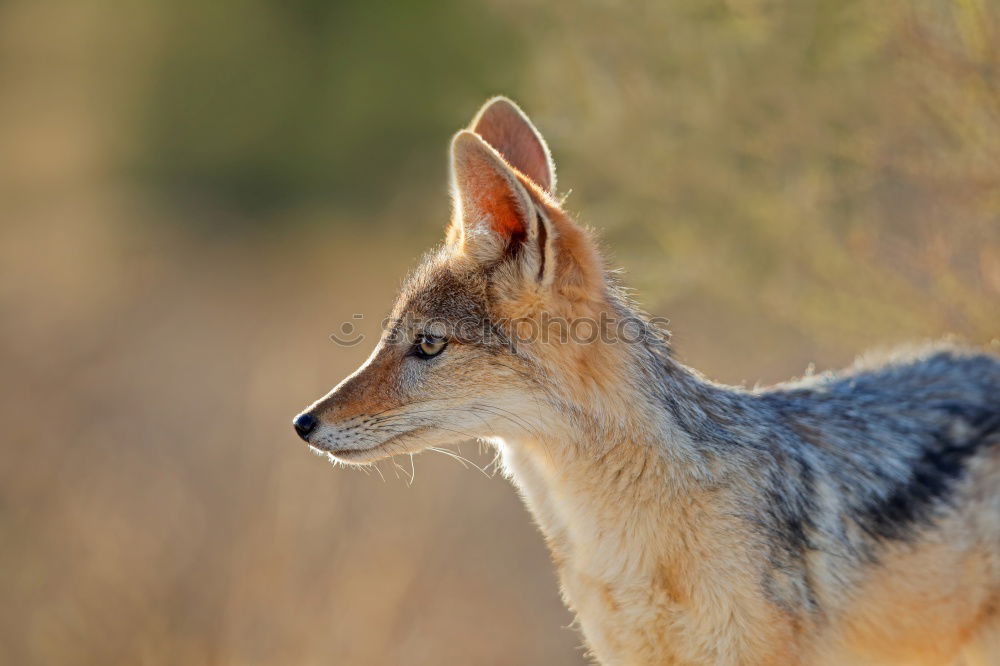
(304, 424)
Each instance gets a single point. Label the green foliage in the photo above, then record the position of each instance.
(257, 104)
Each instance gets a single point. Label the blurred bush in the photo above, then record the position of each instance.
(259, 104)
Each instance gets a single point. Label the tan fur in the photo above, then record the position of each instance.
(910, 614)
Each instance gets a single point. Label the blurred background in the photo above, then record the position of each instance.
(195, 195)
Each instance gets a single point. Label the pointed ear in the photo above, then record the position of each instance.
(495, 217)
(505, 127)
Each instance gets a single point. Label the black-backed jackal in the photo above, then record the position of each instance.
(848, 518)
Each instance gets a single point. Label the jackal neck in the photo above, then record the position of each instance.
(609, 476)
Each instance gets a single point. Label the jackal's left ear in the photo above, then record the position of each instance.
(503, 125)
(495, 217)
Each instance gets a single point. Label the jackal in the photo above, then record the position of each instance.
(850, 517)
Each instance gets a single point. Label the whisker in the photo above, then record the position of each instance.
(462, 460)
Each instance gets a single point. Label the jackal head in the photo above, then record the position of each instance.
(508, 319)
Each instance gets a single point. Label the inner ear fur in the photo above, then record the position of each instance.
(493, 213)
(504, 218)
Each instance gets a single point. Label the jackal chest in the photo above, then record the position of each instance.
(622, 624)
(648, 619)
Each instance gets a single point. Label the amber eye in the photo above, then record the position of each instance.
(429, 345)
